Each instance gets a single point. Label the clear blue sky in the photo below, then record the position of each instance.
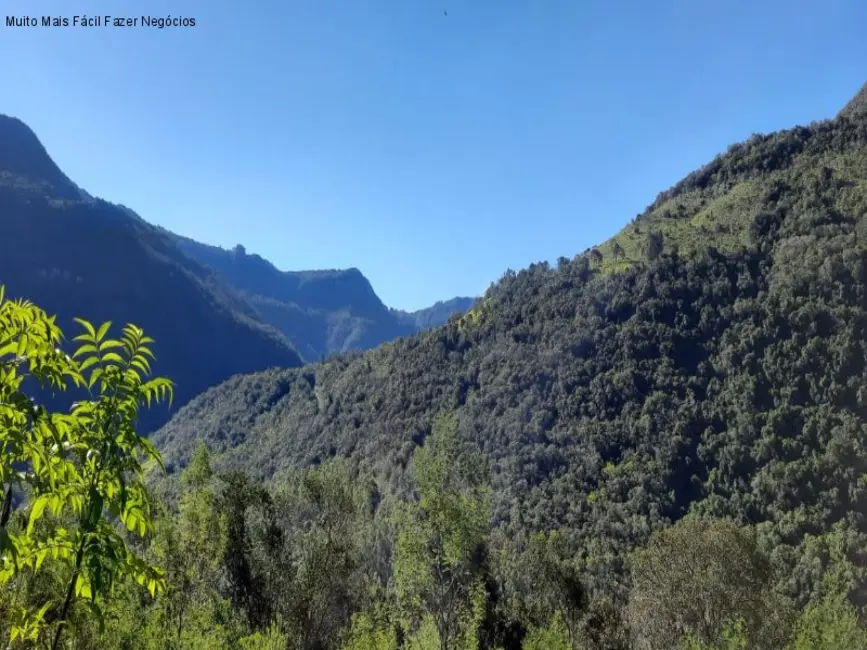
(431, 152)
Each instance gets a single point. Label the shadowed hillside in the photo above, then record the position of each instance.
(79, 256)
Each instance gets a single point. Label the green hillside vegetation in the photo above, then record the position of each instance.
(666, 453)
(322, 558)
(721, 375)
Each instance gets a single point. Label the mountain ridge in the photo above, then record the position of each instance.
(80, 256)
(24, 160)
(324, 311)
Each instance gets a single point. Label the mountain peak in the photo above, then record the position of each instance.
(857, 106)
(24, 157)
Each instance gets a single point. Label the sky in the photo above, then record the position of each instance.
(430, 151)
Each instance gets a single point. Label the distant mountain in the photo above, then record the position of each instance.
(321, 312)
(436, 314)
(78, 256)
(25, 165)
(710, 359)
(214, 313)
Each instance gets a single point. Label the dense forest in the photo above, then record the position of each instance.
(656, 445)
(322, 558)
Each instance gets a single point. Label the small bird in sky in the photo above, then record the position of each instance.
(445, 13)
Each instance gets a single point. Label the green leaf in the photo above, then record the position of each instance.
(22, 345)
(113, 357)
(82, 588)
(41, 613)
(87, 363)
(148, 446)
(141, 364)
(86, 326)
(84, 349)
(95, 375)
(36, 511)
(103, 330)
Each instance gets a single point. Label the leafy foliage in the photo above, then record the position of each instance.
(830, 623)
(84, 468)
(696, 577)
(441, 539)
(554, 636)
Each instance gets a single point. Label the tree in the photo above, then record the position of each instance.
(373, 630)
(695, 577)
(553, 636)
(246, 587)
(831, 620)
(548, 585)
(732, 637)
(324, 514)
(85, 467)
(829, 624)
(189, 546)
(595, 256)
(655, 245)
(441, 538)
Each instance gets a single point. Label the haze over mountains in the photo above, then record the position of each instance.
(710, 358)
(215, 313)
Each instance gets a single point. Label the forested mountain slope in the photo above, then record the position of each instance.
(710, 357)
(81, 256)
(321, 312)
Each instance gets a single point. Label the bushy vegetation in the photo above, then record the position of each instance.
(324, 557)
(81, 473)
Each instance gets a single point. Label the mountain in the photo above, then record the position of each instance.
(709, 358)
(322, 312)
(78, 256)
(436, 314)
(213, 312)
